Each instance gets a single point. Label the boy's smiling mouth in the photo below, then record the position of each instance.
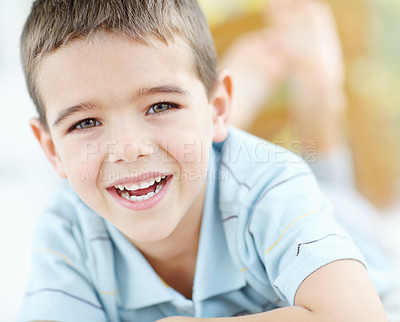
(139, 195)
(141, 191)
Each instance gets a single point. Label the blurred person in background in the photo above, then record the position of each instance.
(288, 59)
(370, 57)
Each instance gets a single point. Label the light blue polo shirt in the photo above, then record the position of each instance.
(265, 228)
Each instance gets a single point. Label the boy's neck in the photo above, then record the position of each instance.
(174, 259)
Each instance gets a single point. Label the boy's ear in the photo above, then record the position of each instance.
(221, 102)
(47, 144)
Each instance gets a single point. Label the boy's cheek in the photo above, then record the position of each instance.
(82, 164)
(187, 148)
(87, 152)
(81, 174)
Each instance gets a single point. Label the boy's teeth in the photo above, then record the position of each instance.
(144, 185)
(132, 187)
(141, 185)
(125, 195)
(142, 198)
(159, 187)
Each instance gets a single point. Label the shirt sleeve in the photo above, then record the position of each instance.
(60, 288)
(294, 233)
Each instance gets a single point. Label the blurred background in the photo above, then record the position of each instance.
(368, 32)
(26, 180)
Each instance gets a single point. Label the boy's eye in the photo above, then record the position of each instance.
(87, 124)
(160, 107)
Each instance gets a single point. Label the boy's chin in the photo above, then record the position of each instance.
(143, 238)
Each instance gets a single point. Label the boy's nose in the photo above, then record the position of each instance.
(130, 149)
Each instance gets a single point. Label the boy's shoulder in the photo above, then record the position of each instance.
(248, 156)
(248, 166)
(271, 208)
(65, 202)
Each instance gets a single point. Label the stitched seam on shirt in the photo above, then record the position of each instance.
(100, 238)
(287, 228)
(229, 218)
(65, 293)
(315, 241)
(278, 184)
(234, 176)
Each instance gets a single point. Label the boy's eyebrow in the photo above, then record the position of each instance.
(85, 106)
(167, 89)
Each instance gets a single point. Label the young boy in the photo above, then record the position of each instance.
(170, 213)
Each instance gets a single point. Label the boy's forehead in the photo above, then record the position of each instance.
(104, 41)
(115, 50)
(113, 57)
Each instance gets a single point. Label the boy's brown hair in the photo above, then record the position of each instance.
(54, 23)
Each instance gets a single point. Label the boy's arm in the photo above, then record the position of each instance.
(339, 291)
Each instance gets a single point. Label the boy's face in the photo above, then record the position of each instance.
(130, 126)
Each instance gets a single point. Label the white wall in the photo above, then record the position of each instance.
(26, 179)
